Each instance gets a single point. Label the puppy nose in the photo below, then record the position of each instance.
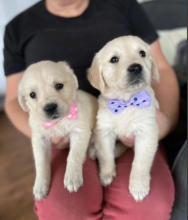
(50, 108)
(135, 68)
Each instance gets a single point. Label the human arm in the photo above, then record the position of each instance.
(167, 93)
(17, 116)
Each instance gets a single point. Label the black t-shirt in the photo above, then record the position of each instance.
(37, 35)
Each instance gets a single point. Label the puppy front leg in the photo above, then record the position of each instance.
(78, 147)
(145, 149)
(105, 146)
(42, 156)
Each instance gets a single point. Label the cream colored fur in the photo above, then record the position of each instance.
(41, 79)
(112, 80)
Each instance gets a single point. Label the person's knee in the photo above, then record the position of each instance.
(60, 204)
(157, 206)
(47, 210)
(160, 206)
(164, 208)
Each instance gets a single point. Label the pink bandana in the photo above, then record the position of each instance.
(73, 114)
(49, 124)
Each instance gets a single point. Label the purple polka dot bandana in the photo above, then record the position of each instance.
(141, 100)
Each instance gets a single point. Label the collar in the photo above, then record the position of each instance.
(140, 100)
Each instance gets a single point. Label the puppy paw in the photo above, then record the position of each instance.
(139, 189)
(41, 189)
(73, 181)
(107, 177)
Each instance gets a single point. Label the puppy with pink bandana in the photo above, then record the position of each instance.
(49, 92)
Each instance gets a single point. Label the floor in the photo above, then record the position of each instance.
(16, 174)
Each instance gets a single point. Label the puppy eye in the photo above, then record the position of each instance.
(114, 60)
(59, 86)
(142, 53)
(33, 95)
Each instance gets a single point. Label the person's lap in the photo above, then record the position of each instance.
(92, 202)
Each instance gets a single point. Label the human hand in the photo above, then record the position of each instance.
(128, 141)
(60, 143)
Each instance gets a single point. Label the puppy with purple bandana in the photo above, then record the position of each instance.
(123, 71)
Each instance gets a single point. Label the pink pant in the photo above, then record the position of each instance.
(92, 202)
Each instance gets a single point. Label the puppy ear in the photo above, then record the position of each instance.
(95, 75)
(21, 97)
(66, 66)
(155, 72)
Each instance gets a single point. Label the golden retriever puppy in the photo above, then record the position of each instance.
(48, 91)
(123, 71)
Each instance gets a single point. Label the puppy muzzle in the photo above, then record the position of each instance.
(135, 73)
(51, 110)
(135, 69)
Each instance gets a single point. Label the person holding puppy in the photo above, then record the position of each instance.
(73, 31)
